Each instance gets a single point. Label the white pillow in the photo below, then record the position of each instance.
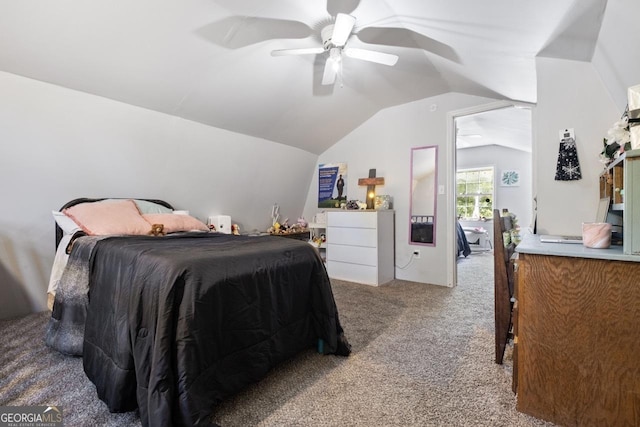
(146, 207)
(59, 263)
(67, 225)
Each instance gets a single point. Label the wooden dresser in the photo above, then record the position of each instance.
(577, 334)
(360, 246)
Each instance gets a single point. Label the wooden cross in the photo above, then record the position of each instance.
(371, 183)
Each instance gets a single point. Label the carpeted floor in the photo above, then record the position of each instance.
(422, 356)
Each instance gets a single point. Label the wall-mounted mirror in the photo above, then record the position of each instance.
(422, 207)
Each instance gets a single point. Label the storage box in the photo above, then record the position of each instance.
(222, 223)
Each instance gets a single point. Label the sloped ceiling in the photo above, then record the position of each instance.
(508, 127)
(209, 60)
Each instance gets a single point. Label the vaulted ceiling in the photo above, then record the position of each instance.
(210, 60)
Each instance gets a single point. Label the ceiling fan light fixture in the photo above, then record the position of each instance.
(334, 40)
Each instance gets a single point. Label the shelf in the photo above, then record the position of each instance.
(620, 182)
(612, 181)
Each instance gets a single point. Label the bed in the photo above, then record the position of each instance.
(174, 324)
(462, 244)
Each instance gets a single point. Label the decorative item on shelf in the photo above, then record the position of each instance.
(383, 201)
(285, 228)
(275, 214)
(319, 240)
(618, 140)
(353, 205)
(371, 183)
(596, 235)
(512, 235)
(633, 94)
(235, 229)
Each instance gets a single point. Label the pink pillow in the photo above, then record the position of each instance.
(174, 222)
(109, 218)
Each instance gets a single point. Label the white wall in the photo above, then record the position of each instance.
(517, 199)
(384, 142)
(570, 95)
(57, 144)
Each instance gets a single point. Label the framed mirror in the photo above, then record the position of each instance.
(422, 200)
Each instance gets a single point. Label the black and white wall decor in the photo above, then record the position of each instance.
(568, 166)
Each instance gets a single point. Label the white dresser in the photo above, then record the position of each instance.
(360, 246)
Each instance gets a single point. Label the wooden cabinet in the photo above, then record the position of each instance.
(621, 182)
(577, 335)
(360, 246)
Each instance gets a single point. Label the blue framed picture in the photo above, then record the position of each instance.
(510, 178)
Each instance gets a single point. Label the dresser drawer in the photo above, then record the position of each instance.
(353, 236)
(352, 254)
(353, 272)
(352, 219)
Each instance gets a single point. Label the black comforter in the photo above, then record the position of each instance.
(175, 324)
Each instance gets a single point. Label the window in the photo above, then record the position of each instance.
(474, 198)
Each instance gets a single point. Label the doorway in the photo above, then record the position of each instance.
(495, 138)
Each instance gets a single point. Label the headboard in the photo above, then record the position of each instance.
(88, 200)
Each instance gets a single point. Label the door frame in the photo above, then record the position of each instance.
(452, 270)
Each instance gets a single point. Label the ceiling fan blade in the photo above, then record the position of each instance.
(330, 72)
(345, 6)
(342, 29)
(302, 51)
(371, 56)
(401, 37)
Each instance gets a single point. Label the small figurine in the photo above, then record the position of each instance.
(157, 230)
(235, 229)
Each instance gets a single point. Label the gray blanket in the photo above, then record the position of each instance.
(65, 331)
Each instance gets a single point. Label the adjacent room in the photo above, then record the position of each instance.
(304, 213)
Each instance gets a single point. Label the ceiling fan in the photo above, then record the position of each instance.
(334, 40)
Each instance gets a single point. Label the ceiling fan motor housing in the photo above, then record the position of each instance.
(326, 34)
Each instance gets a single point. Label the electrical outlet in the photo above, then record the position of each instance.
(416, 253)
